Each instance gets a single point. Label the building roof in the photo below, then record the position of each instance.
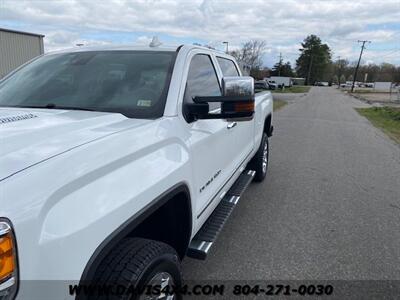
(21, 32)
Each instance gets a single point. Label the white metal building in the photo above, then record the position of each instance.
(382, 86)
(17, 47)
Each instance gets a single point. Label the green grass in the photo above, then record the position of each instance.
(294, 89)
(369, 91)
(386, 118)
(278, 104)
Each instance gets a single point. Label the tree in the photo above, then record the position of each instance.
(314, 59)
(277, 68)
(387, 72)
(368, 73)
(250, 54)
(339, 68)
(260, 74)
(281, 69)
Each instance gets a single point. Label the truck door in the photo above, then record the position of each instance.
(212, 142)
(242, 131)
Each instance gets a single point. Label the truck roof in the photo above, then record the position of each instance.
(133, 48)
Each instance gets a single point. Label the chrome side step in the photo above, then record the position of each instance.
(208, 233)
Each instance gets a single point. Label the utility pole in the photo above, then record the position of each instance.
(227, 49)
(309, 69)
(280, 63)
(340, 71)
(358, 64)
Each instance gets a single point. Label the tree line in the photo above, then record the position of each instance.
(314, 64)
(342, 71)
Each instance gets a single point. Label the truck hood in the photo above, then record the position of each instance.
(30, 136)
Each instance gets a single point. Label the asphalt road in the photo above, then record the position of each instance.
(329, 208)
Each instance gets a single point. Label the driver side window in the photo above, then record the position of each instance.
(202, 80)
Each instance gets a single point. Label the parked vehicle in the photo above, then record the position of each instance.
(262, 85)
(273, 85)
(369, 84)
(118, 162)
(282, 81)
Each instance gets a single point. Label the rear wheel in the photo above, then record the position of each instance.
(138, 263)
(259, 162)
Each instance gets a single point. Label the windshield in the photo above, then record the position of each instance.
(134, 83)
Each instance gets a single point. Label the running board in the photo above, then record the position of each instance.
(208, 233)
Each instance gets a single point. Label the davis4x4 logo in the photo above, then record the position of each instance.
(147, 290)
(210, 180)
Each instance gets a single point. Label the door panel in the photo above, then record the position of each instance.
(243, 131)
(213, 150)
(244, 139)
(212, 143)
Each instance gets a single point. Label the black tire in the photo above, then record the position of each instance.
(257, 161)
(134, 263)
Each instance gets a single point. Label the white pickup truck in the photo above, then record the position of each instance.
(117, 162)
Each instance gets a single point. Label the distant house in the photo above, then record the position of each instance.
(17, 47)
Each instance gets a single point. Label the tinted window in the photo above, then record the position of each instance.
(134, 83)
(202, 80)
(228, 67)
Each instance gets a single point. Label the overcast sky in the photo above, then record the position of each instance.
(282, 24)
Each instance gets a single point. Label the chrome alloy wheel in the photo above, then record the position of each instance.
(163, 280)
(265, 158)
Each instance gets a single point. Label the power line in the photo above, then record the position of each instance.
(358, 64)
(376, 55)
(396, 33)
(377, 49)
(390, 53)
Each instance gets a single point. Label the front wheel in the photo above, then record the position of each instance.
(259, 162)
(140, 263)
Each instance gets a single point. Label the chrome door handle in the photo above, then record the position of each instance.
(231, 125)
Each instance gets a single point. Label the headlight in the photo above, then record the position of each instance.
(8, 261)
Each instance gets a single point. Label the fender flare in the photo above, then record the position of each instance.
(128, 226)
(270, 129)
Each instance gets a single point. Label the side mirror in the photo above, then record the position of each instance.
(237, 101)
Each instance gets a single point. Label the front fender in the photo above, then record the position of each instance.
(71, 203)
(263, 109)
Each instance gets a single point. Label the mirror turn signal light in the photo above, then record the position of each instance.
(244, 106)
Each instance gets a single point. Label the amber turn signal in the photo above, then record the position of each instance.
(244, 107)
(7, 259)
